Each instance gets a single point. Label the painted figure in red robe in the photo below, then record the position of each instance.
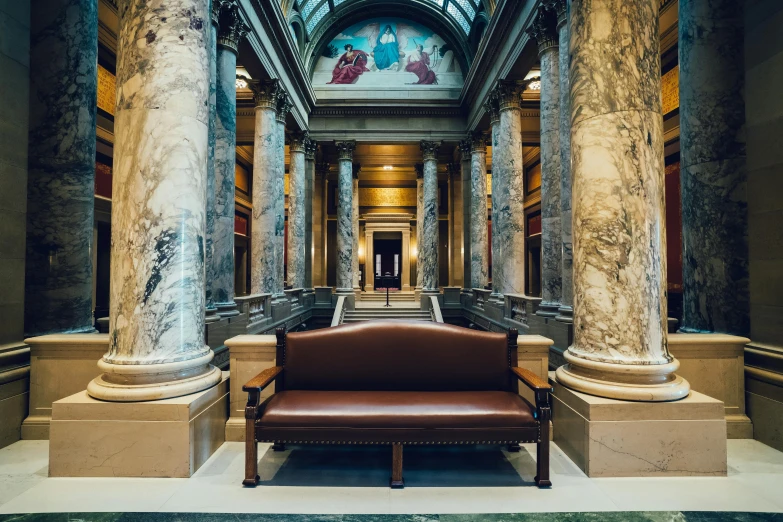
(350, 66)
(419, 64)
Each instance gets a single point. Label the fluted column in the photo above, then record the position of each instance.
(544, 30)
(428, 244)
(232, 30)
(156, 344)
(283, 107)
(310, 203)
(492, 108)
(466, 167)
(713, 167)
(419, 220)
(296, 210)
(344, 217)
(263, 259)
(510, 228)
(566, 310)
(479, 254)
(210, 308)
(620, 346)
(355, 227)
(61, 175)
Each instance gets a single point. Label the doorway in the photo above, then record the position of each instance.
(387, 252)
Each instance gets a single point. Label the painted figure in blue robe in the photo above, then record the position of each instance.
(387, 52)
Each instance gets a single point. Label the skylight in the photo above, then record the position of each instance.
(463, 12)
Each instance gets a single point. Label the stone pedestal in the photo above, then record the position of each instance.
(714, 364)
(614, 438)
(249, 355)
(166, 438)
(60, 365)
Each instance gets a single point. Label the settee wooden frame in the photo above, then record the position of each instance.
(543, 414)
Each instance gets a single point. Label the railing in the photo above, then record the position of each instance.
(256, 306)
(294, 296)
(339, 311)
(437, 316)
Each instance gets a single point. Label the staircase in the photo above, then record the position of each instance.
(373, 314)
(380, 297)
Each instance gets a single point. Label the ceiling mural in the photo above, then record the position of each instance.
(387, 52)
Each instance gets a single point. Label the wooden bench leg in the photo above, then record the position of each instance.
(542, 457)
(278, 446)
(396, 478)
(251, 455)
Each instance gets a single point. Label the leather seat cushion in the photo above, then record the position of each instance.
(400, 410)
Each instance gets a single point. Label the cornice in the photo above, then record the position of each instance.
(386, 111)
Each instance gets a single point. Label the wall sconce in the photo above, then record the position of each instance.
(414, 251)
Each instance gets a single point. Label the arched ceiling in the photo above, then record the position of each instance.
(324, 19)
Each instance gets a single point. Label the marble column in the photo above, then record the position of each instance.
(428, 244)
(566, 311)
(210, 308)
(456, 226)
(310, 204)
(232, 30)
(467, 210)
(355, 228)
(263, 259)
(713, 167)
(296, 210)
(509, 165)
(419, 220)
(491, 106)
(479, 253)
(283, 107)
(344, 217)
(620, 346)
(319, 224)
(544, 30)
(61, 175)
(156, 340)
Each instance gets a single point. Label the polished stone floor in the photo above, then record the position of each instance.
(353, 480)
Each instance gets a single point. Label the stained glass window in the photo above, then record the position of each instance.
(457, 14)
(312, 22)
(307, 7)
(467, 6)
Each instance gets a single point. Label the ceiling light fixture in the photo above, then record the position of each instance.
(388, 167)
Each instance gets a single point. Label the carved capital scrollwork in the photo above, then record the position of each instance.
(345, 150)
(232, 29)
(509, 94)
(298, 141)
(560, 8)
(491, 105)
(284, 105)
(464, 149)
(544, 30)
(311, 147)
(478, 142)
(266, 93)
(429, 149)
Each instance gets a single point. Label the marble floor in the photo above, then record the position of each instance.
(353, 480)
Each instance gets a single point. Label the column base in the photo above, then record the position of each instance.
(167, 438)
(211, 314)
(227, 309)
(149, 382)
(565, 314)
(548, 309)
(630, 382)
(614, 438)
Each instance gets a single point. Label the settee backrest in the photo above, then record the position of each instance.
(396, 355)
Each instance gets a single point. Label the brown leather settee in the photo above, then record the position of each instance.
(396, 383)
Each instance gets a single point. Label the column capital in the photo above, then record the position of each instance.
(322, 169)
(231, 28)
(544, 30)
(311, 147)
(509, 93)
(491, 105)
(345, 149)
(284, 105)
(560, 8)
(464, 149)
(419, 167)
(217, 5)
(477, 142)
(429, 149)
(265, 92)
(298, 141)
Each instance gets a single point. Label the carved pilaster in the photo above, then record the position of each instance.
(311, 147)
(232, 29)
(429, 150)
(266, 93)
(345, 149)
(544, 30)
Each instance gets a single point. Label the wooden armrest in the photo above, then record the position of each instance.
(531, 380)
(263, 379)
